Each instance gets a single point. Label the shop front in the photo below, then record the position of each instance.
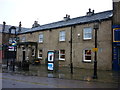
(116, 47)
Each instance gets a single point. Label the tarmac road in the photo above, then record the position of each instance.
(10, 80)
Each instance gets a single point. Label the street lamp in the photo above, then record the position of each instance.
(15, 38)
(96, 27)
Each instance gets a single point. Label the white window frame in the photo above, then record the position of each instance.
(40, 53)
(33, 52)
(62, 36)
(41, 36)
(84, 55)
(61, 55)
(87, 31)
(23, 39)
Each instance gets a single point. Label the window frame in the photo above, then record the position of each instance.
(41, 38)
(60, 54)
(40, 53)
(84, 55)
(62, 36)
(86, 33)
(33, 52)
(23, 39)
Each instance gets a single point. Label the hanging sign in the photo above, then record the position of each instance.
(11, 48)
(13, 43)
(95, 49)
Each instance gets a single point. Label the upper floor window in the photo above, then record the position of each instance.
(23, 39)
(87, 33)
(61, 54)
(62, 36)
(41, 38)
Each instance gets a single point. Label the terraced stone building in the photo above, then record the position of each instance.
(74, 38)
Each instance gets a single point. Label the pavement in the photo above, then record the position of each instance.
(65, 73)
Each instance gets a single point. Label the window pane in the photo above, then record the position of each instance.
(87, 33)
(41, 38)
(87, 57)
(62, 36)
(87, 52)
(62, 51)
(33, 52)
(62, 55)
(40, 54)
(23, 39)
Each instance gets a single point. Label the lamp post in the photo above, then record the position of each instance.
(15, 38)
(96, 27)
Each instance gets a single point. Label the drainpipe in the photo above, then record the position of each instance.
(3, 49)
(71, 63)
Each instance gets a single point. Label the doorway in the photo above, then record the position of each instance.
(23, 55)
(116, 58)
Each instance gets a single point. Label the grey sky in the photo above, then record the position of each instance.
(47, 11)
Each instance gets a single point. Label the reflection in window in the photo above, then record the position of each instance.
(87, 56)
(61, 54)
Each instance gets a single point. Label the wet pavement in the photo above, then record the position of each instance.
(10, 80)
(64, 73)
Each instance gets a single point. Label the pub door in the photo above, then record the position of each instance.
(116, 59)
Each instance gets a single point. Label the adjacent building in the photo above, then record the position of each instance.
(116, 34)
(6, 37)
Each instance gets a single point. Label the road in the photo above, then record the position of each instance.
(10, 80)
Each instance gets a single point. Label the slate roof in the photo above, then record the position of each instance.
(74, 21)
(8, 26)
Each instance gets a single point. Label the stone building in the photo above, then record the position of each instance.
(116, 34)
(6, 37)
(74, 38)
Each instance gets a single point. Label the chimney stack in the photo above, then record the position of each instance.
(67, 17)
(35, 24)
(3, 29)
(90, 12)
(19, 27)
(116, 12)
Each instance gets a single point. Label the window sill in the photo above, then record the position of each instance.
(87, 61)
(40, 57)
(87, 39)
(61, 59)
(61, 40)
(40, 42)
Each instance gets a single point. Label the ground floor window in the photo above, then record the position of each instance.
(87, 56)
(33, 52)
(40, 53)
(61, 54)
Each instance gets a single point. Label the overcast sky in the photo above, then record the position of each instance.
(47, 11)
